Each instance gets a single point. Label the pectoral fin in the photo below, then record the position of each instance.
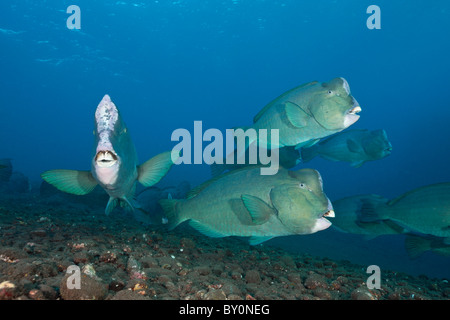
(357, 164)
(296, 115)
(270, 105)
(353, 146)
(71, 181)
(258, 209)
(255, 240)
(153, 170)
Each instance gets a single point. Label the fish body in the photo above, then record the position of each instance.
(424, 210)
(308, 113)
(5, 170)
(347, 212)
(245, 203)
(114, 164)
(355, 146)
(288, 158)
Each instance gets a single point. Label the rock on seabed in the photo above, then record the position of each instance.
(121, 259)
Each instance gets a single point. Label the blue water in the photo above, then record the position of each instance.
(168, 63)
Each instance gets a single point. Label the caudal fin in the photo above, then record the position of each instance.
(171, 209)
(415, 246)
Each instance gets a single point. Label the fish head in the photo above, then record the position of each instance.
(112, 142)
(377, 145)
(301, 203)
(332, 105)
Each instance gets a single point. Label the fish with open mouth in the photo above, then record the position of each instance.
(247, 204)
(307, 113)
(114, 165)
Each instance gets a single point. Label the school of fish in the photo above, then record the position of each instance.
(312, 121)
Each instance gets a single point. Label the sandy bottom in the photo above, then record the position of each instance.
(115, 257)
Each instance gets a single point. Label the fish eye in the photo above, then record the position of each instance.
(330, 92)
(304, 186)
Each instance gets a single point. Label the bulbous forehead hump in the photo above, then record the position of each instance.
(308, 176)
(338, 84)
(106, 114)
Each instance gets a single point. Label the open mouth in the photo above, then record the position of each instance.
(354, 110)
(352, 115)
(329, 214)
(105, 158)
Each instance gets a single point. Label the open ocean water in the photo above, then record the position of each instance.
(166, 64)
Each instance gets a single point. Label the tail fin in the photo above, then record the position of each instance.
(307, 154)
(171, 209)
(416, 246)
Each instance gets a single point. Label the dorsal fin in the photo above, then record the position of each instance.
(196, 190)
(441, 184)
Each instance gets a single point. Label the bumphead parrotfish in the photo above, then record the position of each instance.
(114, 163)
(308, 113)
(355, 146)
(245, 203)
(424, 210)
(347, 217)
